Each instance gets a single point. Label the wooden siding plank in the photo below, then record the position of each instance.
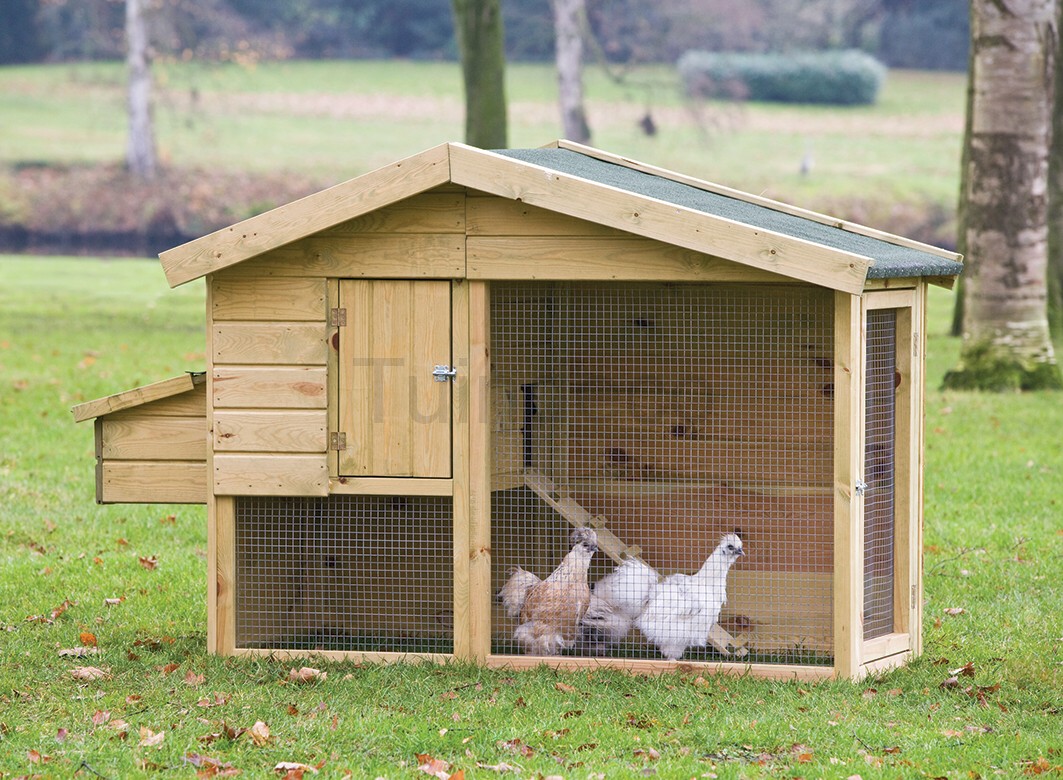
(391, 486)
(321, 210)
(704, 233)
(493, 216)
(270, 475)
(785, 208)
(242, 297)
(224, 577)
(270, 343)
(153, 482)
(270, 388)
(155, 438)
(395, 256)
(464, 471)
(607, 259)
(137, 396)
(257, 431)
(431, 212)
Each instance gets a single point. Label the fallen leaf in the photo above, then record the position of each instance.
(951, 682)
(114, 602)
(955, 611)
(564, 688)
(499, 767)
(260, 733)
(967, 670)
(36, 758)
(60, 735)
(78, 652)
(89, 673)
(306, 675)
(892, 750)
(516, 746)
(193, 679)
(294, 766)
(149, 562)
(149, 738)
(87, 639)
(99, 717)
(952, 733)
(436, 767)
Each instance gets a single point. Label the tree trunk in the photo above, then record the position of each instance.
(956, 329)
(569, 16)
(1055, 193)
(1005, 340)
(478, 26)
(140, 150)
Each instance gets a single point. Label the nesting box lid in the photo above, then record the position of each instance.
(592, 185)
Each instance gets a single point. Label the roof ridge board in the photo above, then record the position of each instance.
(859, 264)
(758, 200)
(307, 215)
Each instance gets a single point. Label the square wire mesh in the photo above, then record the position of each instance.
(879, 447)
(365, 573)
(665, 416)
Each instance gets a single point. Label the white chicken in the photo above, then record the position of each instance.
(550, 610)
(674, 613)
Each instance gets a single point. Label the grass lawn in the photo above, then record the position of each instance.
(338, 119)
(75, 329)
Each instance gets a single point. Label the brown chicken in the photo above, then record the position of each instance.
(550, 610)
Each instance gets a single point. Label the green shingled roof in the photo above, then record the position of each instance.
(890, 260)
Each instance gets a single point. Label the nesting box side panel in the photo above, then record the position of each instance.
(155, 452)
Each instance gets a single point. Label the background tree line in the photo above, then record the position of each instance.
(902, 33)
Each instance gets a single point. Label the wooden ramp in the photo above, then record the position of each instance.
(612, 545)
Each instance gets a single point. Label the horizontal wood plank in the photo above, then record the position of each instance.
(430, 212)
(398, 256)
(238, 296)
(137, 396)
(392, 486)
(635, 666)
(270, 343)
(286, 431)
(605, 259)
(270, 388)
(270, 475)
(493, 216)
(712, 235)
(154, 438)
(154, 482)
(323, 209)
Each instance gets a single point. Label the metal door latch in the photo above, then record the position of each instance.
(443, 373)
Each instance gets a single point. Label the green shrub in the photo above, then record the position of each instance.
(835, 77)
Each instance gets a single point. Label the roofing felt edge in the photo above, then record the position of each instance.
(889, 260)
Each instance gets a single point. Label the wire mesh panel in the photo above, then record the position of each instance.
(880, 418)
(364, 573)
(664, 417)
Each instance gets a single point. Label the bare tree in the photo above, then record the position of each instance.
(1005, 328)
(141, 158)
(569, 22)
(1055, 193)
(478, 26)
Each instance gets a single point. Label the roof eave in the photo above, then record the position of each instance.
(642, 215)
(292, 221)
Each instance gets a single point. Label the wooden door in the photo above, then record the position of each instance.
(396, 415)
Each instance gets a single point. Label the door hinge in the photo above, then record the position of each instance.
(337, 441)
(913, 596)
(337, 318)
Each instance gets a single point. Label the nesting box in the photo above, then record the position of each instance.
(423, 377)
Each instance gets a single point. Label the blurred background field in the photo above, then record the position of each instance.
(237, 139)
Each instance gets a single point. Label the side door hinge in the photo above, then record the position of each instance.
(337, 441)
(337, 317)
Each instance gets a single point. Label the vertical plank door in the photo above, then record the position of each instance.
(395, 414)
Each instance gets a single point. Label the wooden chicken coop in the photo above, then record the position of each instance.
(423, 377)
